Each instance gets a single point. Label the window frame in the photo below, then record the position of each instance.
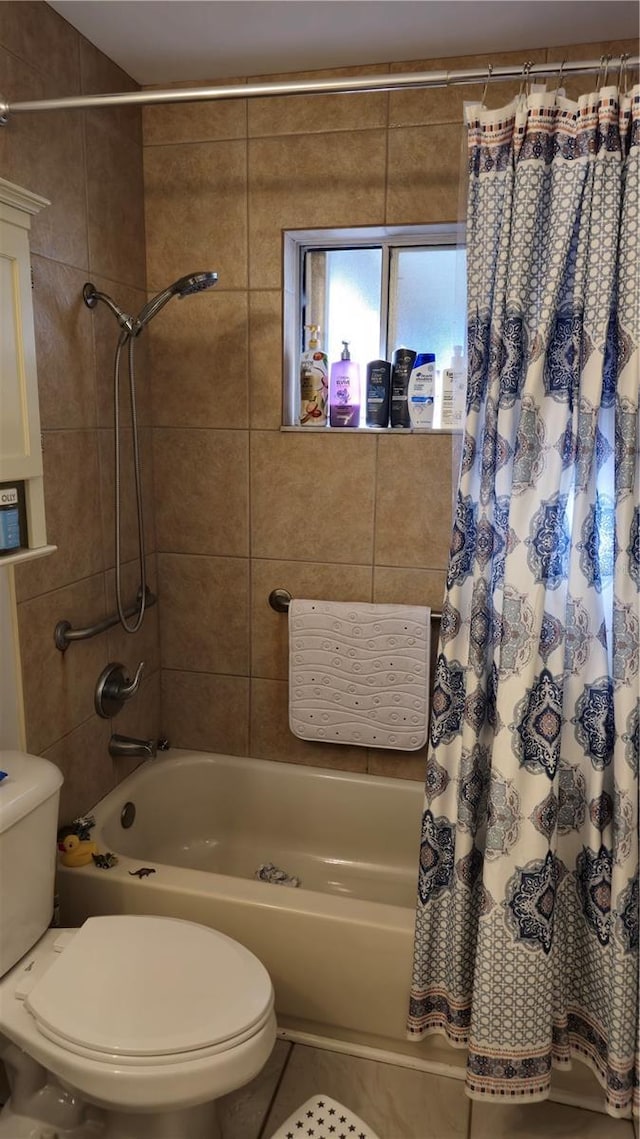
(296, 243)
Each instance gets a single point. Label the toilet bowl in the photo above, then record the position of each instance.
(143, 1021)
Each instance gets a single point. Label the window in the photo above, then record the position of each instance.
(379, 289)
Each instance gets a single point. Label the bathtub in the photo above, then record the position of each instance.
(339, 947)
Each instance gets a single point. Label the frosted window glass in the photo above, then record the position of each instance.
(353, 303)
(427, 304)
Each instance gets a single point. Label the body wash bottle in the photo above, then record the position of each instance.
(314, 382)
(378, 393)
(403, 360)
(344, 391)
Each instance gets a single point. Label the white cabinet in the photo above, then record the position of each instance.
(20, 446)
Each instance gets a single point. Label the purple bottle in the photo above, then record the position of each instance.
(344, 391)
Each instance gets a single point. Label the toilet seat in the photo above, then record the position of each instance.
(145, 990)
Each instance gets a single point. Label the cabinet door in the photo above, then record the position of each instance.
(20, 452)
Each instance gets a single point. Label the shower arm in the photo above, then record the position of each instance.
(91, 296)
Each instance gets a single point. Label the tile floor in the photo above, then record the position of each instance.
(397, 1102)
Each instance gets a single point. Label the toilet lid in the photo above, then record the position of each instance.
(150, 986)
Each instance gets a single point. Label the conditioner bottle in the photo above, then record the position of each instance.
(344, 391)
(314, 382)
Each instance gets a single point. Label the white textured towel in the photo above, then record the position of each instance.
(359, 673)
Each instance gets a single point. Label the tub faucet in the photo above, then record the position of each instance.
(129, 746)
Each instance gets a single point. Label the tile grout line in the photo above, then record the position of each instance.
(274, 1095)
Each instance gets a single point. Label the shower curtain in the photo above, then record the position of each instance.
(526, 946)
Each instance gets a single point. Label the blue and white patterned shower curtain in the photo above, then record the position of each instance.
(526, 948)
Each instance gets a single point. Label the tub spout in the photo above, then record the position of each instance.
(129, 746)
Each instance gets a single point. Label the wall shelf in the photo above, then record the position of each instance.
(26, 555)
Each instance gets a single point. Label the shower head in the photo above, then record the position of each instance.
(184, 287)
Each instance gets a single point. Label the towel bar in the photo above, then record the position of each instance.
(280, 599)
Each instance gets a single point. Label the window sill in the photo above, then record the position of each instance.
(305, 430)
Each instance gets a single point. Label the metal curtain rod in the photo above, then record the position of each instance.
(315, 87)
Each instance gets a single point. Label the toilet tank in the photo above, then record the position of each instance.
(29, 797)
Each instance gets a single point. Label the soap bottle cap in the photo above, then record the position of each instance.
(457, 349)
(345, 354)
(314, 329)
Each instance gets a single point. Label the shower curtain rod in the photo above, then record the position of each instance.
(346, 85)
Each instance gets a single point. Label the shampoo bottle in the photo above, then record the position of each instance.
(344, 391)
(378, 393)
(422, 389)
(403, 359)
(314, 382)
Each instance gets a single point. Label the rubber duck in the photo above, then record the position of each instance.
(74, 852)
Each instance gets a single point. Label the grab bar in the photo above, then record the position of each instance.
(64, 634)
(280, 600)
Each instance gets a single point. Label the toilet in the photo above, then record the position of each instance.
(130, 1027)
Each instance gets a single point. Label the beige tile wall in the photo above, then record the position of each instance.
(241, 507)
(90, 166)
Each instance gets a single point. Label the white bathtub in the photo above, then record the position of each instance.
(338, 948)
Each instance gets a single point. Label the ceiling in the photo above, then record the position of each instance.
(168, 41)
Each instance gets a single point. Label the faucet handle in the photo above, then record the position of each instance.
(113, 688)
(130, 687)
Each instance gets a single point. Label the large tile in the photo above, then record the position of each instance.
(312, 496)
(196, 122)
(59, 687)
(204, 613)
(307, 114)
(265, 359)
(83, 758)
(199, 362)
(270, 629)
(413, 501)
(115, 200)
(196, 212)
(398, 764)
(425, 165)
(271, 737)
(37, 34)
(529, 1121)
(99, 75)
(72, 505)
(398, 1103)
(289, 189)
(202, 491)
(44, 153)
(106, 332)
(145, 644)
(393, 586)
(64, 347)
(205, 712)
(128, 509)
(242, 1113)
(445, 104)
